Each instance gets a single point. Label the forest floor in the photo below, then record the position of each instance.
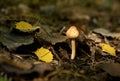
(34, 45)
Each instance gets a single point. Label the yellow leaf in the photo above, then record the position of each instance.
(44, 54)
(25, 26)
(108, 49)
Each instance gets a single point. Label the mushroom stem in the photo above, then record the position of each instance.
(73, 49)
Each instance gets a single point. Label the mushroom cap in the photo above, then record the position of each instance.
(72, 32)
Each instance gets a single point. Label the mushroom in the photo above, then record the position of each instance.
(72, 33)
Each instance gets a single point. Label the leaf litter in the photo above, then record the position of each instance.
(89, 63)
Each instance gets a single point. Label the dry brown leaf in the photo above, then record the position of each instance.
(111, 68)
(47, 35)
(105, 32)
(12, 41)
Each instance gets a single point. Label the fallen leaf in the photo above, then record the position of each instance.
(105, 32)
(101, 31)
(44, 54)
(111, 68)
(21, 67)
(25, 27)
(12, 40)
(108, 49)
(48, 35)
(7, 62)
(94, 37)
